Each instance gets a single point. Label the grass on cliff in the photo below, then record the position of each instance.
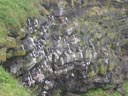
(9, 86)
(100, 92)
(13, 15)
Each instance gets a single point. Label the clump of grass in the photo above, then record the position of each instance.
(108, 5)
(9, 86)
(13, 14)
(125, 86)
(100, 92)
(3, 32)
(94, 1)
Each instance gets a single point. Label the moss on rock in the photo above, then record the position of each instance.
(19, 53)
(3, 54)
(102, 69)
(57, 92)
(10, 42)
(110, 67)
(44, 11)
(9, 54)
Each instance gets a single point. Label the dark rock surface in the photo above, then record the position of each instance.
(72, 51)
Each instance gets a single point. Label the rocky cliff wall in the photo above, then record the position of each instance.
(74, 48)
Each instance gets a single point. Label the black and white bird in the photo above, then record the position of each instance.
(69, 49)
(30, 80)
(36, 22)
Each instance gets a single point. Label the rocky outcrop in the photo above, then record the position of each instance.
(70, 51)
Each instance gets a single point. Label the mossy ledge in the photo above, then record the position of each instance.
(13, 17)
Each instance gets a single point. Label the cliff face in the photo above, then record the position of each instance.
(76, 46)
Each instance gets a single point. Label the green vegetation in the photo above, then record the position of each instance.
(100, 92)
(3, 54)
(9, 86)
(102, 69)
(57, 92)
(13, 15)
(125, 86)
(19, 53)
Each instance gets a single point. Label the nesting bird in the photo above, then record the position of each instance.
(30, 80)
(29, 24)
(79, 54)
(58, 51)
(36, 22)
(69, 49)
